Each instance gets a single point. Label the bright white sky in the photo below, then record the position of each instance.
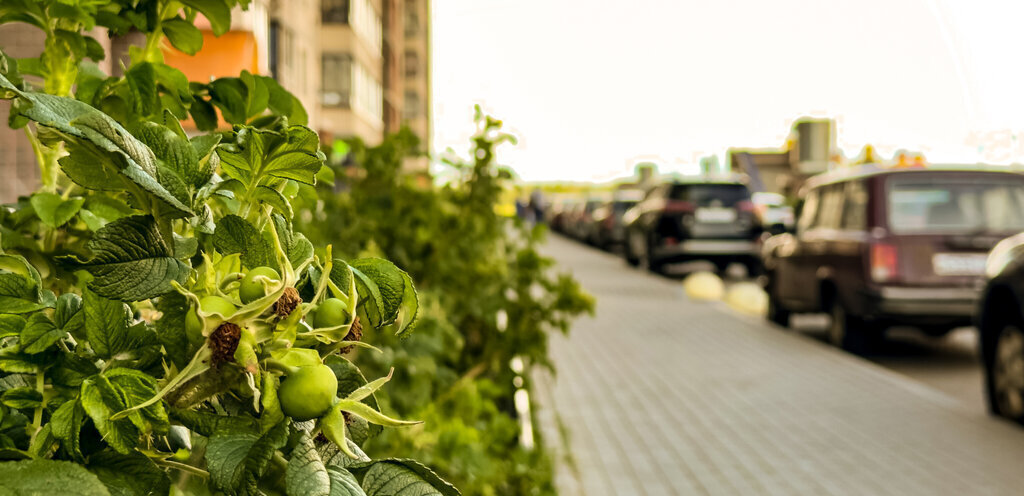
(590, 87)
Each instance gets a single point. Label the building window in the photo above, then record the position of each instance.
(411, 106)
(412, 19)
(368, 94)
(336, 85)
(274, 48)
(334, 11)
(367, 24)
(412, 64)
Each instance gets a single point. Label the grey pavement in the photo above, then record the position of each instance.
(661, 395)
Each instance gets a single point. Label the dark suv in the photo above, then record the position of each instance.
(697, 219)
(879, 247)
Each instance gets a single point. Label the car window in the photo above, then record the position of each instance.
(809, 211)
(831, 207)
(855, 207)
(945, 205)
(704, 195)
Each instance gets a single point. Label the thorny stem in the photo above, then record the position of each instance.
(184, 467)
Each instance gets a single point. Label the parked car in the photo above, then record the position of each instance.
(608, 230)
(560, 212)
(880, 247)
(580, 222)
(776, 216)
(1000, 321)
(694, 218)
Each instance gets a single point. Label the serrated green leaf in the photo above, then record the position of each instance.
(256, 155)
(171, 328)
(67, 422)
(127, 156)
(272, 197)
(237, 459)
(53, 210)
(183, 35)
(131, 261)
(403, 477)
(175, 151)
(39, 334)
(284, 103)
(21, 398)
(19, 294)
(235, 235)
(68, 305)
(100, 401)
(20, 363)
(141, 78)
(106, 324)
(206, 424)
(306, 474)
(381, 287)
(11, 325)
(136, 388)
(228, 94)
(133, 474)
(31, 477)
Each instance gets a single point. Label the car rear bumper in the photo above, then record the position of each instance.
(926, 302)
(708, 247)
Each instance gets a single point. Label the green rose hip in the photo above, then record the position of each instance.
(252, 289)
(332, 312)
(308, 392)
(208, 304)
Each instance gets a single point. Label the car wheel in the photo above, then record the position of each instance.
(777, 313)
(649, 262)
(847, 331)
(627, 251)
(1005, 374)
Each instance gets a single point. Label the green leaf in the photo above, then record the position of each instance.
(67, 423)
(237, 459)
(235, 235)
(171, 328)
(381, 287)
(31, 477)
(126, 155)
(409, 309)
(53, 210)
(39, 334)
(133, 474)
(183, 35)
(136, 388)
(403, 477)
(350, 379)
(11, 325)
(20, 363)
(217, 11)
(68, 306)
(284, 103)
(19, 294)
(307, 475)
(206, 424)
(21, 398)
(175, 151)
(141, 79)
(256, 155)
(106, 324)
(101, 400)
(257, 94)
(295, 245)
(273, 198)
(131, 260)
(228, 94)
(204, 115)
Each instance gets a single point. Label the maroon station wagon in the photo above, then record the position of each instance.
(879, 247)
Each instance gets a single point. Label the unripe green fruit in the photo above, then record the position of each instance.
(251, 290)
(209, 304)
(308, 392)
(291, 188)
(332, 312)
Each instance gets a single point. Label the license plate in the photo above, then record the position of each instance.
(959, 264)
(715, 215)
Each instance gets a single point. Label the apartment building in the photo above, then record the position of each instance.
(360, 67)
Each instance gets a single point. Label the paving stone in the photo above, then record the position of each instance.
(660, 395)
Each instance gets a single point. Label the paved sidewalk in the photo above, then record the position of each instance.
(661, 395)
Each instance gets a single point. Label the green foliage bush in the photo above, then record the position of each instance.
(487, 296)
(129, 363)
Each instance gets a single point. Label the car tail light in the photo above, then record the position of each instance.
(884, 262)
(679, 206)
(745, 206)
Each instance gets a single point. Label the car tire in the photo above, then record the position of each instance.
(1004, 373)
(649, 262)
(847, 331)
(627, 252)
(777, 313)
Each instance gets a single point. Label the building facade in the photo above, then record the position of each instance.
(361, 68)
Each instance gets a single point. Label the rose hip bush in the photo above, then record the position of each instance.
(163, 326)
